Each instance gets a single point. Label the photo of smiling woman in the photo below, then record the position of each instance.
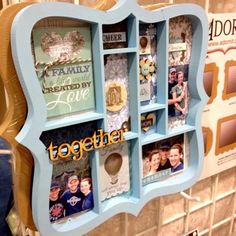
(154, 162)
(85, 188)
(180, 91)
(176, 158)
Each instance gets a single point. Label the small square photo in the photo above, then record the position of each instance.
(163, 159)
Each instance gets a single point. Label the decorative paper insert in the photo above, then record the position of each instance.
(117, 91)
(63, 62)
(115, 35)
(147, 63)
(180, 40)
(114, 170)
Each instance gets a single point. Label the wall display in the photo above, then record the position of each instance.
(90, 166)
(218, 119)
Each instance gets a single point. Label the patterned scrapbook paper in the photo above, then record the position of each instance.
(117, 91)
(114, 170)
(147, 63)
(180, 40)
(180, 46)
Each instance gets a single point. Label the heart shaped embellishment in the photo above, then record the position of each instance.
(148, 121)
(57, 47)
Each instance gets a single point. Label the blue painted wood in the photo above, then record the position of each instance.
(36, 121)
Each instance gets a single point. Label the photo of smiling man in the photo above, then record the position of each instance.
(72, 198)
(176, 158)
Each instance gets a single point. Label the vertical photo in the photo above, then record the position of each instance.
(179, 52)
(178, 96)
(71, 190)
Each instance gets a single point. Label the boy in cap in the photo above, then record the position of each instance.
(164, 152)
(56, 208)
(72, 198)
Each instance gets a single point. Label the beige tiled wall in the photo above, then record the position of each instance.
(173, 215)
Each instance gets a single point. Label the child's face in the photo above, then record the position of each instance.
(84, 187)
(73, 185)
(54, 193)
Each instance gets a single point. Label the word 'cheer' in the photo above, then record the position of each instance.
(76, 149)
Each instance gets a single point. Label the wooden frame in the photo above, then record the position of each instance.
(225, 141)
(211, 88)
(208, 139)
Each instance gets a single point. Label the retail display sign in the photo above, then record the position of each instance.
(218, 118)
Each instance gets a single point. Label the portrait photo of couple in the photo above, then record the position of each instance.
(178, 95)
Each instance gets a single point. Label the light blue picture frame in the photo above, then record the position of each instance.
(37, 122)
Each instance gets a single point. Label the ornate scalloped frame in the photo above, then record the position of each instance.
(227, 147)
(225, 94)
(36, 121)
(208, 140)
(212, 67)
